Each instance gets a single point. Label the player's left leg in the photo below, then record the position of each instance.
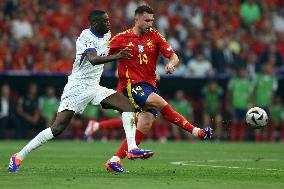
(144, 124)
(156, 101)
(61, 122)
(121, 103)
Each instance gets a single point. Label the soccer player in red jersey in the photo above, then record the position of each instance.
(137, 77)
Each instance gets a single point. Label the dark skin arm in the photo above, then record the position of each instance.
(96, 60)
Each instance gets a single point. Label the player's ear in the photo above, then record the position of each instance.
(136, 17)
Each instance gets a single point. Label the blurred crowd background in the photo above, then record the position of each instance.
(240, 41)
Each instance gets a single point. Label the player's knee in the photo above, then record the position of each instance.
(155, 101)
(58, 127)
(56, 130)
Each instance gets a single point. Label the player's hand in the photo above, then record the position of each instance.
(169, 68)
(125, 53)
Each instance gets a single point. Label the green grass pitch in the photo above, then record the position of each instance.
(73, 164)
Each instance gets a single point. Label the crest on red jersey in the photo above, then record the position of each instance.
(150, 43)
(140, 48)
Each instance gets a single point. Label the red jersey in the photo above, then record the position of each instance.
(145, 50)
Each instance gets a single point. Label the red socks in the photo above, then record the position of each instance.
(174, 117)
(121, 152)
(111, 123)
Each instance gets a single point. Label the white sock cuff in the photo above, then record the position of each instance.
(48, 133)
(114, 159)
(195, 131)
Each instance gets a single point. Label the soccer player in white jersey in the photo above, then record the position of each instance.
(92, 47)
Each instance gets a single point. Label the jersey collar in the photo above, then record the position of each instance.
(97, 35)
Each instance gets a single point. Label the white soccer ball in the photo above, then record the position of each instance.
(256, 118)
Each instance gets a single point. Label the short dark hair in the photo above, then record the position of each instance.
(95, 14)
(144, 8)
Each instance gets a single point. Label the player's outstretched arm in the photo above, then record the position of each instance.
(95, 59)
(173, 61)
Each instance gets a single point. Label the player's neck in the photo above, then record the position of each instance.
(137, 31)
(96, 33)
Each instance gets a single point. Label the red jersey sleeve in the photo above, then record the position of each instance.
(164, 46)
(115, 44)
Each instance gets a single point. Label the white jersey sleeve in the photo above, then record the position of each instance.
(83, 70)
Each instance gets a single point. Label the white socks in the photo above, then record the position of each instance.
(114, 159)
(40, 139)
(128, 119)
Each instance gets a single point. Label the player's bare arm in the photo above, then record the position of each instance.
(173, 61)
(95, 59)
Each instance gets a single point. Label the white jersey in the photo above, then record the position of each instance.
(83, 70)
(83, 84)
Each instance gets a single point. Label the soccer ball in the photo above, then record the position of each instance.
(256, 118)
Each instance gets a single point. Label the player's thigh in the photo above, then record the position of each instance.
(145, 121)
(118, 102)
(101, 94)
(76, 97)
(155, 101)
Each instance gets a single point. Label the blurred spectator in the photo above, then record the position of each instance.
(29, 111)
(29, 63)
(278, 20)
(250, 12)
(266, 85)
(48, 27)
(251, 64)
(225, 58)
(271, 55)
(21, 26)
(130, 8)
(195, 16)
(240, 89)
(277, 119)
(163, 24)
(61, 18)
(199, 66)
(183, 106)
(212, 115)
(49, 104)
(9, 124)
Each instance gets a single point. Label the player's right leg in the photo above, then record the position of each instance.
(156, 101)
(61, 122)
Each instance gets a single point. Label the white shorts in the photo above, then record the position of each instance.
(76, 96)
